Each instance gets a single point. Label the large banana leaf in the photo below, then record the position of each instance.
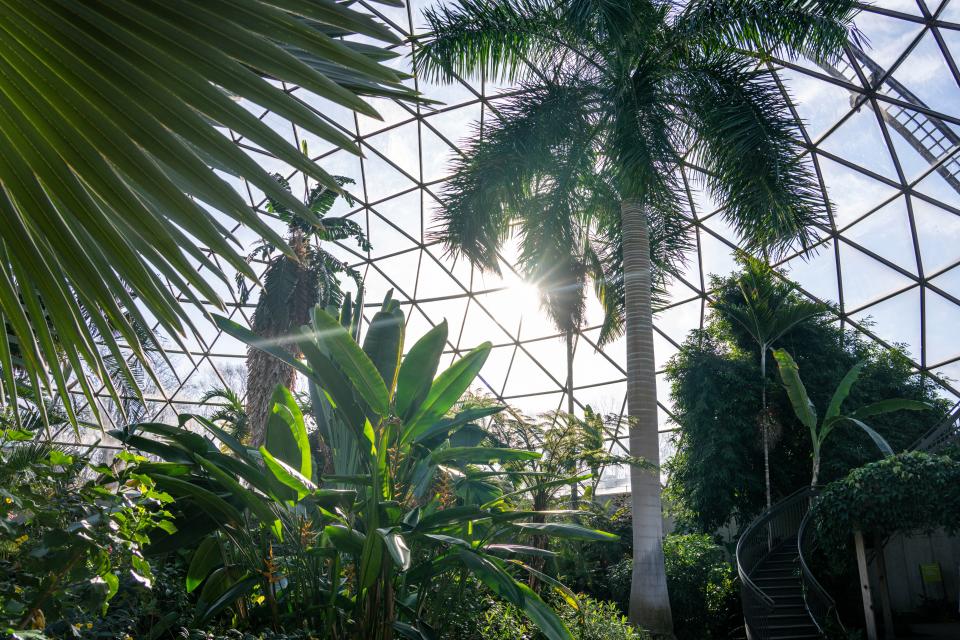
(113, 116)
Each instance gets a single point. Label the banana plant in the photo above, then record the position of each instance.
(820, 430)
(352, 554)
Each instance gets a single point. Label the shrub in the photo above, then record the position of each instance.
(702, 586)
(908, 492)
(71, 535)
(473, 613)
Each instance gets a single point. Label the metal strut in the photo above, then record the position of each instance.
(930, 136)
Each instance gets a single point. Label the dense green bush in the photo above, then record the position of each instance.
(909, 492)
(71, 537)
(717, 472)
(704, 593)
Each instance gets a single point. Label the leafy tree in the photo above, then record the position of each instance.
(111, 119)
(292, 286)
(770, 307)
(615, 94)
(716, 474)
(806, 412)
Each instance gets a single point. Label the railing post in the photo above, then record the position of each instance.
(865, 586)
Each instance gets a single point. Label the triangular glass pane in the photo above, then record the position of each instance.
(942, 320)
(860, 141)
(887, 233)
(938, 231)
(866, 280)
(896, 321)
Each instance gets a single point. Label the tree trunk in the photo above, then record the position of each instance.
(649, 602)
(574, 490)
(765, 423)
(264, 373)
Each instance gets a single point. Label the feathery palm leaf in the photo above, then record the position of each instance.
(111, 117)
(769, 307)
(652, 82)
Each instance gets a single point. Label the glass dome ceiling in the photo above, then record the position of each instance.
(883, 131)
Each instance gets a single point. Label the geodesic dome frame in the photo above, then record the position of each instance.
(881, 128)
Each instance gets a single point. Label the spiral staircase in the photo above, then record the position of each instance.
(782, 599)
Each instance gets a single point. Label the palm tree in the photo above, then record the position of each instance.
(292, 287)
(768, 308)
(112, 119)
(636, 89)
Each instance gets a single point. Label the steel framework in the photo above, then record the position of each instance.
(886, 155)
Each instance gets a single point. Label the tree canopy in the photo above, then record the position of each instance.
(717, 472)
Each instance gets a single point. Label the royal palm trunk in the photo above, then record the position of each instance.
(649, 602)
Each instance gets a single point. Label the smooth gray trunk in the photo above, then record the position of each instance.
(765, 423)
(649, 601)
(574, 488)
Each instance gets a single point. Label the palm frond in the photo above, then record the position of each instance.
(501, 162)
(816, 29)
(109, 116)
(494, 39)
(768, 306)
(744, 138)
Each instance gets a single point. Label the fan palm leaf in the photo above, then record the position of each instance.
(112, 117)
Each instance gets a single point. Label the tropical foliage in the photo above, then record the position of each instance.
(911, 492)
(112, 119)
(614, 98)
(716, 475)
(351, 554)
(834, 417)
(71, 533)
(769, 308)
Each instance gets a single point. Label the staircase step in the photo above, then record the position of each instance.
(792, 620)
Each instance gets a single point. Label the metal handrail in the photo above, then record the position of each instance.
(767, 532)
(940, 435)
(817, 601)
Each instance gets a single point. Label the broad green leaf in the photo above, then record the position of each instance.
(287, 475)
(519, 549)
(418, 370)
(383, 343)
(257, 505)
(790, 374)
(886, 406)
(286, 434)
(205, 559)
(843, 390)
(345, 539)
(355, 364)
(212, 504)
(187, 439)
(449, 424)
(446, 390)
(229, 596)
(501, 583)
(567, 530)
(396, 546)
(878, 439)
(232, 443)
(481, 455)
